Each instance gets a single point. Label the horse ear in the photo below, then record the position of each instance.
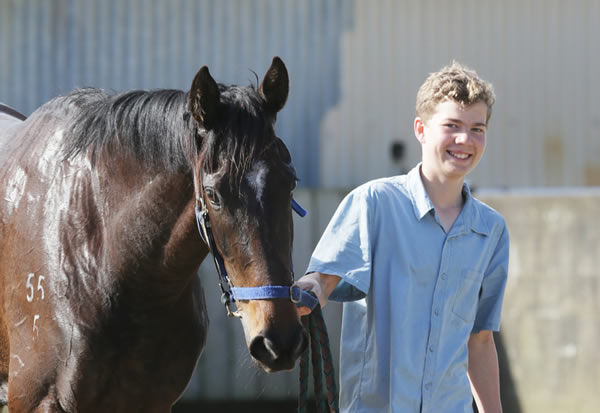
(204, 98)
(275, 86)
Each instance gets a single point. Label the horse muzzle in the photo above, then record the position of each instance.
(275, 351)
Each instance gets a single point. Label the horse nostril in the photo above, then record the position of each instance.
(274, 356)
(263, 349)
(270, 347)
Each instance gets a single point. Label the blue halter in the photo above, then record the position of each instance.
(267, 292)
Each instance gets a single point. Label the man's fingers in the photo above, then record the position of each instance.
(302, 311)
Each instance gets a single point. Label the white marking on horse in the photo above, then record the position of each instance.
(36, 330)
(14, 356)
(20, 322)
(30, 289)
(257, 179)
(39, 286)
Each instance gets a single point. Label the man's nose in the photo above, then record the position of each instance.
(462, 137)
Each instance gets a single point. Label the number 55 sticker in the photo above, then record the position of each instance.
(30, 286)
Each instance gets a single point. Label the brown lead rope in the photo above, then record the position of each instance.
(322, 365)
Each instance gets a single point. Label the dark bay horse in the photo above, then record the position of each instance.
(101, 308)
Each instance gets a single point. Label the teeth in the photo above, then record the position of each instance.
(459, 155)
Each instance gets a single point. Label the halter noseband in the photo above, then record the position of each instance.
(229, 292)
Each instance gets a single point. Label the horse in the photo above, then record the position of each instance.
(101, 305)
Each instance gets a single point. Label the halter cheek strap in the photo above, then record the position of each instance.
(229, 292)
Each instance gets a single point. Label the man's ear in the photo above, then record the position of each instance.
(419, 128)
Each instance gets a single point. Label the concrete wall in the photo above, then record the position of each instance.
(551, 316)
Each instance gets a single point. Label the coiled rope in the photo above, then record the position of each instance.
(322, 366)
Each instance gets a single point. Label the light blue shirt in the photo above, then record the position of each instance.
(419, 294)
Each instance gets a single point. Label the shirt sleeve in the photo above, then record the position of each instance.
(491, 294)
(345, 247)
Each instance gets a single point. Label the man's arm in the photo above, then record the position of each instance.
(483, 372)
(320, 284)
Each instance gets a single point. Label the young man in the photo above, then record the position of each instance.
(421, 266)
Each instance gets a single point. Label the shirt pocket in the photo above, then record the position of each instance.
(466, 296)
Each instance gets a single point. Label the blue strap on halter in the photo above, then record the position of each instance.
(299, 210)
(267, 292)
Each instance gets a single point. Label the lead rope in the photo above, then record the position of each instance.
(322, 365)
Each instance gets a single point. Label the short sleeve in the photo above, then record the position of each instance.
(345, 247)
(492, 289)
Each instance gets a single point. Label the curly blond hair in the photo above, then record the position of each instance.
(453, 82)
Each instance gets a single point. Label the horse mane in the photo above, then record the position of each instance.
(156, 127)
(146, 124)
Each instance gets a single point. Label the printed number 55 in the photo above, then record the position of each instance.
(30, 289)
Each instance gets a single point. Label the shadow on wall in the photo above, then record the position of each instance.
(508, 390)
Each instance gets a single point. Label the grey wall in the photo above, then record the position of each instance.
(551, 315)
(49, 47)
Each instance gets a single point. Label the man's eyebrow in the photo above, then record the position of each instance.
(461, 122)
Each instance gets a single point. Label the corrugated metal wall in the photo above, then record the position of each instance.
(355, 67)
(541, 55)
(48, 47)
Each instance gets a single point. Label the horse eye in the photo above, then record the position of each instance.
(212, 196)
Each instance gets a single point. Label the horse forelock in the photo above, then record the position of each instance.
(241, 135)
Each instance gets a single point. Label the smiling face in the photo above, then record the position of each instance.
(452, 139)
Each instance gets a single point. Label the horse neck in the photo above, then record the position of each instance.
(153, 229)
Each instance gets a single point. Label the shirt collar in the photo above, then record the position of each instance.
(420, 200)
(470, 216)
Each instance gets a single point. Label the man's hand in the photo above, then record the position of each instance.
(320, 284)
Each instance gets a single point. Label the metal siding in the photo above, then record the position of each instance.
(538, 54)
(590, 102)
(50, 47)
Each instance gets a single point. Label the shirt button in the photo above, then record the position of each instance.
(444, 276)
(436, 312)
(427, 386)
(431, 349)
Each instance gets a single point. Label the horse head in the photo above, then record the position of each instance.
(244, 180)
